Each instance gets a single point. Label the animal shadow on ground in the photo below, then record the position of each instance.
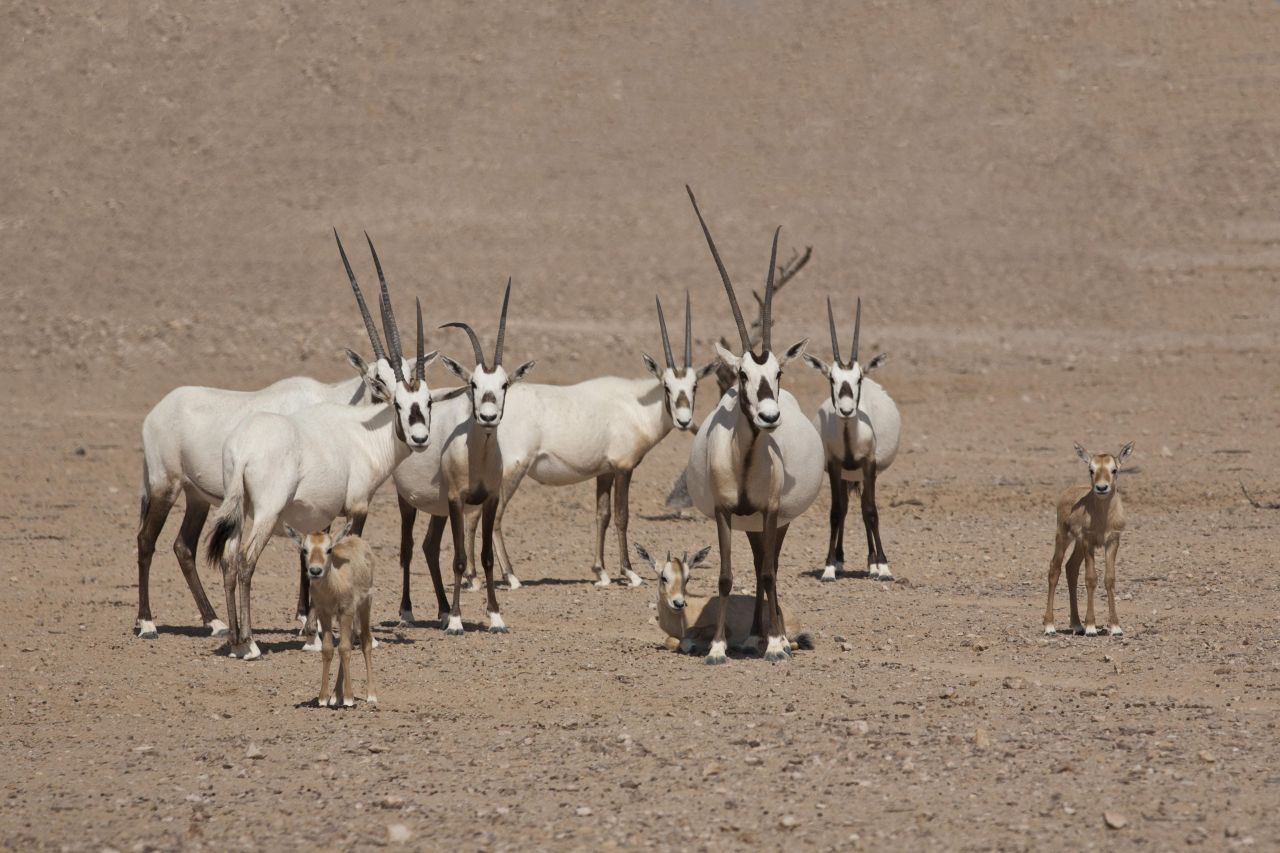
(198, 631)
(555, 582)
(862, 574)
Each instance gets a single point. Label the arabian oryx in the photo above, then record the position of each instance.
(860, 428)
(464, 470)
(1089, 519)
(756, 463)
(307, 468)
(182, 439)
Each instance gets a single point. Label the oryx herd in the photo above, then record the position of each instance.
(295, 456)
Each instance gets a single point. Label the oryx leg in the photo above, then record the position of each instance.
(1055, 569)
(1074, 559)
(408, 516)
(347, 631)
(754, 638)
(155, 511)
(358, 518)
(473, 525)
(1091, 586)
(604, 488)
(509, 485)
(839, 509)
(184, 548)
(877, 562)
(622, 515)
(724, 537)
(366, 649)
(431, 551)
(457, 527)
(779, 648)
(326, 657)
(488, 512)
(1113, 621)
(255, 538)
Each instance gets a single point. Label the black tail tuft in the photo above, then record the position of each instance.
(226, 529)
(804, 640)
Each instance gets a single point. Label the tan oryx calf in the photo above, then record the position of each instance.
(689, 621)
(1089, 521)
(340, 568)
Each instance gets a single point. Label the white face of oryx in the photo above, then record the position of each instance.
(487, 388)
(410, 400)
(1103, 467)
(845, 382)
(679, 388)
(760, 382)
(318, 548)
(673, 574)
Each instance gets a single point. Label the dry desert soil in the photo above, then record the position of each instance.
(1062, 220)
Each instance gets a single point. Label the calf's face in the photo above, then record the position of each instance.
(317, 548)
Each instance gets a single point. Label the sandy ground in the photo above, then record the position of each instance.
(1061, 219)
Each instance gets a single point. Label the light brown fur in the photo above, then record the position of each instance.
(1089, 519)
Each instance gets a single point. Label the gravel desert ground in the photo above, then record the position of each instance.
(1062, 220)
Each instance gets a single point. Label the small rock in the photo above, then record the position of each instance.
(846, 647)
(583, 811)
(144, 749)
(839, 639)
(789, 821)
(1115, 820)
(753, 760)
(398, 833)
(948, 693)
(377, 747)
(860, 727)
(391, 801)
(1013, 682)
(1231, 831)
(981, 739)
(1207, 756)
(254, 752)
(629, 783)
(1165, 451)
(80, 451)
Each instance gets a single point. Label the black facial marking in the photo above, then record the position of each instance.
(416, 416)
(765, 391)
(760, 359)
(846, 390)
(489, 397)
(683, 400)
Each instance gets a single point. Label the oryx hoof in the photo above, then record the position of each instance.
(633, 579)
(1116, 631)
(1090, 631)
(406, 617)
(348, 701)
(454, 626)
(778, 650)
(147, 630)
(828, 573)
(372, 699)
(716, 655)
(218, 628)
(603, 579)
(1050, 631)
(496, 625)
(513, 582)
(331, 702)
(314, 644)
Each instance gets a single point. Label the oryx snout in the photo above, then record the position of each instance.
(677, 603)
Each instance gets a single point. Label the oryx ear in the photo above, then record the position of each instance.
(519, 373)
(344, 532)
(818, 364)
(430, 357)
(644, 555)
(793, 351)
(1082, 453)
(1125, 453)
(727, 358)
(707, 369)
(377, 388)
(651, 364)
(456, 369)
(354, 359)
(448, 394)
(293, 534)
(700, 558)
(878, 361)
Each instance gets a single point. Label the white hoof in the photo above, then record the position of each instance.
(882, 572)
(778, 650)
(1090, 631)
(513, 582)
(254, 652)
(603, 580)
(333, 701)
(472, 585)
(496, 625)
(633, 579)
(312, 645)
(454, 628)
(406, 617)
(372, 699)
(829, 573)
(218, 628)
(717, 654)
(302, 625)
(1116, 631)
(376, 643)
(348, 701)
(1050, 630)
(147, 630)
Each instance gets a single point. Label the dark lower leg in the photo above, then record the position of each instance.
(431, 552)
(604, 487)
(622, 515)
(756, 541)
(408, 516)
(149, 527)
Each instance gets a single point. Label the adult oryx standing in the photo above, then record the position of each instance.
(756, 463)
(860, 427)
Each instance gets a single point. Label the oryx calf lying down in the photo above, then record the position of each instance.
(689, 621)
(340, 568)
(860, 427)
(1088, 521)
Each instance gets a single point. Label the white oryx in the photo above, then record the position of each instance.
(560, 435)
(469, 471)
(756, 463)
(860, 427)
(182, 439)
(307, 468)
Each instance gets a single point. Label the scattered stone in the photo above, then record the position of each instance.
(754, 761)
(1165, 451)
(377, 747)
(846, 647)
(629, 783)
(860, 727)
(391, 801)
(1115, 820)
(839, 639)
(254, 752)
(1232, 831)
(583, 811)
(398, 833)
(789, 821)
(981, 739)
(948, 693)
(1013, 682)
(144, 749)
(1207, 756)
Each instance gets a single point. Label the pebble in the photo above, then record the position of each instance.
(1207, 756)
(398, 833)
(789, 821)
(981, 739)
(1115, 820)
(583, 811)
(1013, 682)
(254, 752)
(391, 802)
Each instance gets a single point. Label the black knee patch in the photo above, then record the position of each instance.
(726, 586)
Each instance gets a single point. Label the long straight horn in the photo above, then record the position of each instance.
(420, 367)
(857, 328)
(397, 359)
(475, 341)
(767, 318)
(502, 326)
(389, 327)
(724, 276)
(364, 309)
(688, 331)
(666, 342)
(835, 343)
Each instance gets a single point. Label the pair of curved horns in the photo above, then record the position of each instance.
(688, 333)
(767, 315)
(389, 327)
(475, 339)
(857, 329)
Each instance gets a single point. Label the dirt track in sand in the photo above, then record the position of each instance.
(1062, 222)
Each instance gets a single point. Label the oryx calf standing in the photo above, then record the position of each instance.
(756, 464)
(860, 428)
(1089, 521)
